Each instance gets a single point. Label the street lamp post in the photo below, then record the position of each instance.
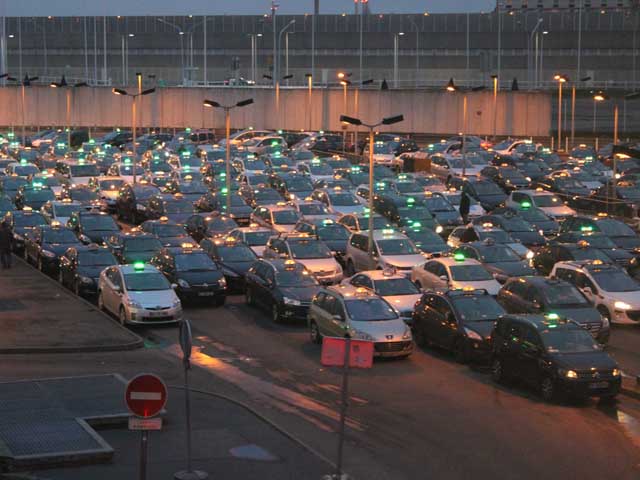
(276, 60)
(396, 37)
(531, 62)
(573, 108)
(134, 97)
(418, 49)
(495, 104)
(357, 122)
(597, 97)
(26, 82)
(561, 79)
(68, 89)
(181, 34)
(309, 97)
(254, 54)
(227, 122)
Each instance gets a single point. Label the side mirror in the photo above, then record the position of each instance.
(84, 239)
(587, 290)
(444, 278)
(536, 305)
(174, 286)
(337, 318)
(117, 289)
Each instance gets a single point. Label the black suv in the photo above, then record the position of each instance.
(459, 321)
(233, 257)
(405, 211)
(80, 268)
(554, 297)
(555, 355)
(131, 204)
(92, 227)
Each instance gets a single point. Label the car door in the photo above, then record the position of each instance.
(528, 354)
(110, 298)
(437, 319)
(511, 348)
(265, 279)
(324, 314)
(587, 287)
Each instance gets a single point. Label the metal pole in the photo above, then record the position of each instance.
(44, 48)
(345, 400)
(275, 58)
(371, 192)
(310, 88)
(204, 52)
(395, 60)
(468, 53)
(579, 38)
(227, 126)
(499, 41)
(313, 42)
(86, 49)
(24, 113)
(187, 406)
(541, 68)
(535, 60)
(464, 132)
(123, 63)
(361, 17)
(615, 125)
(573, 113)
(253, 57)
(356, 112)
(595, 106)
(559, 115)
(95, 50)
(418, 55)
(144, 441)
(133, 132)
(495, 106)
(68, 119)
(104, 50)
(286, 54)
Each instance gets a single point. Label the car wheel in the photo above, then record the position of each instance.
(314, 333)
(101, 302)
(60, 278)
(122, 316)
(275, 313)
(76, 288)
(40, 266)
(460, 351)
(249, 297)
(418, 285)
(604, 311)
(497, 371)
(350, 270)
(548, 389)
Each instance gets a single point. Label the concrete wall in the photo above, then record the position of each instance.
(518, 113)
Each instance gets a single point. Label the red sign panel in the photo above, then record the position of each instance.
(146, 395)
(333, 350)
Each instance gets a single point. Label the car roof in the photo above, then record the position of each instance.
(126, 269)
(589, 265)
(450, 261)
(381, 275)
(346, 290)
(538, 321)
(538, 281)
(385, 235)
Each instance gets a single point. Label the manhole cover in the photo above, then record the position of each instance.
(253, 452)
(7, 304)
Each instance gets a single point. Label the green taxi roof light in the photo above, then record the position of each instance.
(459, 257)
(553, 316)
(138, 266)
(387, 231)
(411, 200)
(586, 228)
(224, 190)
(23, 161)
(416, 224)
(525, 204)
(188, 129)
(92, 140)
(127, 161)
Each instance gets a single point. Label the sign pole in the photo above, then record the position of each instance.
(345, 402)
(144, 442)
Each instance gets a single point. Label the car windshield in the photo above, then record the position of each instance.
(49, 181)
(562, 295)
(322, 169)
(598, 241)
(498, 253)
(59, 235)
(371, 309)
(437, 203)
(144, 193)
(313, 209)
(298, 277)
(128, 170)
(83, 195)
(39, 195)
(408, 187)
(614, 280)
(306, 249)
(255, 165)
(615, 228)
(25, 170)
(383, 148)
(398, 246)
(425, 237)
(477, 308)
(179, 206)
(146, 282)
(160, 166)
(96, 258)
(333, 232)
(12, 183)
(99, 222)
(110, 184)
(257, 179)
(193, 187)
(299, 184)
(189, 262)
(285, 217)
(218, 224)
(89, 170)
(567, 338)
(31, 220)
(547, 201)
(498, 236)
(257, 239)
(487, 188)
(169, 231)
(191, 162)
(589, 254)
(236, 253)
(379, 223)
(534, 215)
(142, 244)
(470, 273)
(343, 199)
(516, 224)
(415, 213)
(395, 286)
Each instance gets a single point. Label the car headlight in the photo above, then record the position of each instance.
(568, 373)
(407, 334)
(357, 334)
(18, 237)
(541, 232)
(222, 282)
(183, 283)
(86, 280)
(622, 306)
(439, 229)
(48, 254)
(615, 372)
(529, 255)
(133, 304)
(472, 334)
(176, 303)
(605, 323)
(290, 301)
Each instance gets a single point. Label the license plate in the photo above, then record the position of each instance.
(157, 314)
(598, 385)
(205, 294)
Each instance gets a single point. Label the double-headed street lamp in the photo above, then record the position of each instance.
(26, 82)
(561, 79)
(134, 97)
(357, 122)
(68, 89)
(227, 121)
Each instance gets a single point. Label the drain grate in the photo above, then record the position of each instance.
(9, 304)
(54, 436)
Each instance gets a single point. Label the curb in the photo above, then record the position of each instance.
(630, 389)
(135, 344)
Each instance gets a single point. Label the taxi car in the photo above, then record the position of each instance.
(43, 245)
(234, 259)
(80, 266)
(280, 217)
(450, 273)
(548, 202)
(254, 236)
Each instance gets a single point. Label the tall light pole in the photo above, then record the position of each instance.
(274, 9)
(597, 98)
(309, 97)
(254, 54)
(181, 35)
(227, 125)
(540, 70)
(134, 97)
(396, 40)
(561, 79)
(360, 32)
(415, 26)
(276, 63)
(573, 107)
(495, 80)
(26, 82)
(498, 6)
(531, 62)
(371, 126)
(342, 79)
(68, 89)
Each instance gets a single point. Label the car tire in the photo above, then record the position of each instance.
(249, 297)
(101, 302)
(419, 335)
(460, 351)
(76, 288)
(275, 314)
(604, 311)
(122, 316)
(350, 269)
(497, 371)
(548, 389)
(60, 278)
(314, 333)
(40, 265)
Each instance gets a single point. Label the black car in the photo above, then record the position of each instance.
(260, 196)
(445, 213)
(169, 233)
(426, 239)
(216, 201)
(43, 245)
(9, 185)
(6, 205)
(500, 260)
(233, 257)
(506, 177)
(516, 226)
(334, 235)
(485, 192)
(569, 189)
(552, 354)
(553, 296)
(458, 320)
(195, 275)
(292, 185)
(283, 287)
(87, 196)
(33, 195)
(20, 222)
(92, 227)
(600, 241)
(131, 204)
(546, 257)
(201, 226)
(80, 267)
(134, 246)
(619, 232)
(543, 223)
(405, 211)
(174, 207)
(191, 190)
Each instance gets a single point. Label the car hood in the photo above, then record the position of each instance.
(258, 250)
(110, 194)
(278, 227)
(91, 272)
(403, 303)
(239, 268)
(355, 209)
(529, 238)
(617, 254)
(491, 286)
(403, 261)
(632, 298)
(381, 331)
(448, 218)
(304, 294)
(434, 247)
(155, 298)
(98, 235)
(581, 314)
(482, 328)
(138, 256)
(584, 361)
(547, 226)
(317, 265)
(196, 277)
(176, 241)
(628, 243)
(179, 218)
(59, 248)
(511, 269)
(489, 202)
(80, 180)
(559, 211)
(240, 211)
(339, 246)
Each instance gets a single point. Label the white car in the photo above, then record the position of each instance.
(445, 166)
(138, 294)
(612, 291)
(339, 201)
(108, 189)
(383, 155)
(125, 170)
(79, 172)
(548, 202)
(281, 217)
(507, 147)
(61, 211)
(255, 236)
(397, 290)
(487, 232)
(310, 209)
(455, 272)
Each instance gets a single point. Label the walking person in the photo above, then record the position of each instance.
(6, 242)
(465, 205)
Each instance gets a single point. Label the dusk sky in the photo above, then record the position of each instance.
(221, 7)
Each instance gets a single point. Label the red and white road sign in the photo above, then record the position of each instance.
(333, 350)
(146, 395)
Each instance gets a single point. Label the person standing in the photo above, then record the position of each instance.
(6, 242)
(465, 205)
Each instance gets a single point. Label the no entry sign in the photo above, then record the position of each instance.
(146, 395)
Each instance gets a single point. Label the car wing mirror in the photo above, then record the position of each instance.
(587, 290)
(337, 318)
(444, 278)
